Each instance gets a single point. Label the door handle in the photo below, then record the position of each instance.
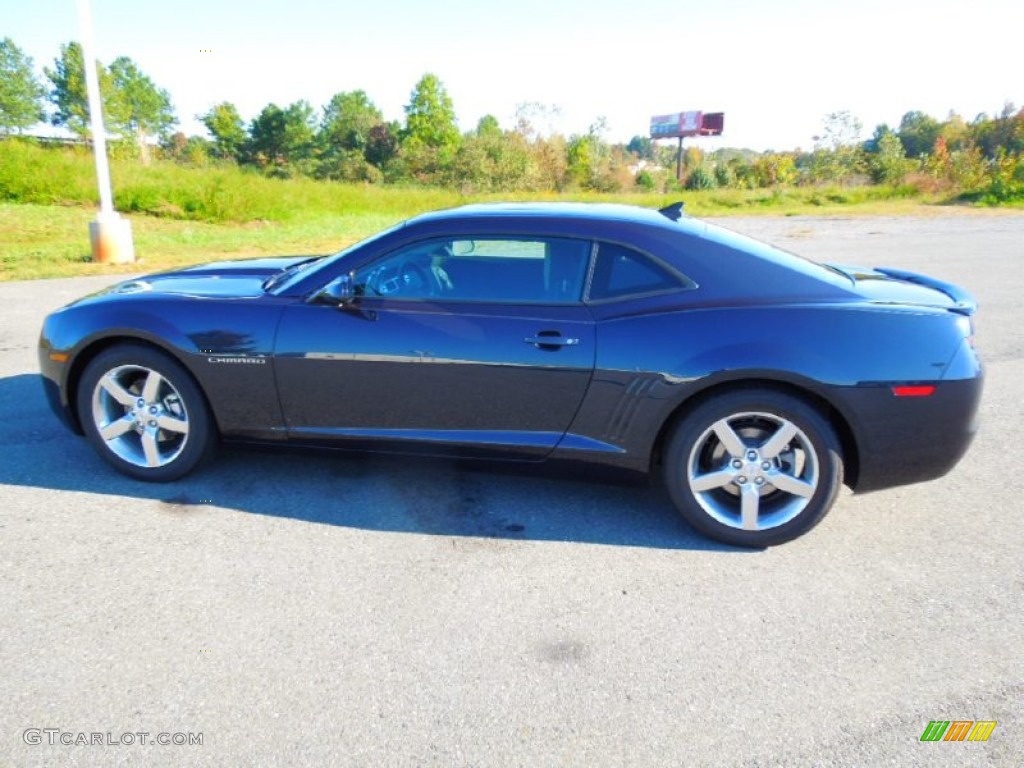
(551, 341)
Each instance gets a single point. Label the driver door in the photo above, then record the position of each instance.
(473, 346)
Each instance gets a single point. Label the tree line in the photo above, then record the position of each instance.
(348, 139)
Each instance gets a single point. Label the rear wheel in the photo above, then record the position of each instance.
(753, 467)
(143, 413)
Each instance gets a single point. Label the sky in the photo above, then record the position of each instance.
(775, 68)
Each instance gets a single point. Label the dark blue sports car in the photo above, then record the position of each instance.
(753, 381)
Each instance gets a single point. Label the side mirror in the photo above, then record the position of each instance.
(340, 292)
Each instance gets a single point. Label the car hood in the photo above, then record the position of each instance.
(222, 279)
(885, 285)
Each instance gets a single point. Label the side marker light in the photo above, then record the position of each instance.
(908, 390)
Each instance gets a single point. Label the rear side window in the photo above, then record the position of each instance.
(621, 271)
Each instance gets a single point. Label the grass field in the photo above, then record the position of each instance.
(41, 241)
(184, 215)
(53, 241)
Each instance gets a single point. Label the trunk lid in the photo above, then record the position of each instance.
(887, 285)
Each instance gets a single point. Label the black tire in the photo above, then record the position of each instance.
(157, 435)
(734, 498)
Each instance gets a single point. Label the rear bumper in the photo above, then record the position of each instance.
(903, 440)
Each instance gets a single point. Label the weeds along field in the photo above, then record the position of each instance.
(182, 214)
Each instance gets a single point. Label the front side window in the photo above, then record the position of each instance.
(491, 269)
(621, 271)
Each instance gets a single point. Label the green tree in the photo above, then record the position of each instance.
(227, 130)
(1006, 179)
(963, 168)
(693, 157)
(494, 162)
(488, 127)
(665, 155)
(382, 143)
(642, 147)
(918, 133)
(300, 130)
(550, 155)
(490, 159)
(346, 165)
(591, 162)
(1000, 135)
(281, 140)
(21, 94)
(430, 116)
(969, 169)
(138, 107)
(889, 164)
(68, 92)
(646, 181)
(348, 119)
(431, 136)
(955, 132)
(725, 175)
(266, 144)
(871, 146)
(580, 158)
(772, 169)
(700, 178)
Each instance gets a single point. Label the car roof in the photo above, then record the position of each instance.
(606, 212)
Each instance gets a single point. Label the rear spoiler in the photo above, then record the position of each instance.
(964, 302)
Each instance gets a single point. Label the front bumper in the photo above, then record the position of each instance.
(53, 376)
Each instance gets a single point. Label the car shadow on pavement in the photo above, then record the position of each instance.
(366, 491)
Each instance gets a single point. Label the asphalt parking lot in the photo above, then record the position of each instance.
(312, 609)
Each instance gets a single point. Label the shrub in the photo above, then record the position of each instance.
(645, 181)
(1007, 181)
(724, 175)
(700, 178)
(890, 164)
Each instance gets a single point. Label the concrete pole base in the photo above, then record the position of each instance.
(111, 238)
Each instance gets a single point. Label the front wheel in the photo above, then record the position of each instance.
(753, 467)
(143, 413)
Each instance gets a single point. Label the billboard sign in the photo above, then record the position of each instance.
(676, 124)
(683, 124)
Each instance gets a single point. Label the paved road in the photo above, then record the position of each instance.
(313, 610)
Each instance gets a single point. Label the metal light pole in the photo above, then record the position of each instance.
(110, 235)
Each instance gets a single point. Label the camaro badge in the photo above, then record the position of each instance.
(246, 360)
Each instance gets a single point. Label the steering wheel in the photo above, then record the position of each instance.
(408, 279)
(414, 280)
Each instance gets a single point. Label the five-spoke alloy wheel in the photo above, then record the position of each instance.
(753, 467)
(144, 413)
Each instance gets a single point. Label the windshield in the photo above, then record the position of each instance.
(287, 272)
(287, 277)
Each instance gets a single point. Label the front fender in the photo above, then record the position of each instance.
(200, 334)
